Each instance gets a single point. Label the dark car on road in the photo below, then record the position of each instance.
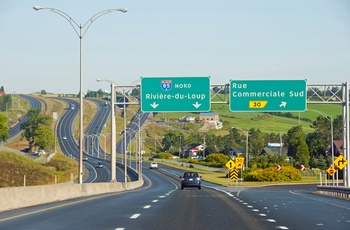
(99, 165)
(190, 179)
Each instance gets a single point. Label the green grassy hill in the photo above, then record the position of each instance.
(266, 122)
(15, 166)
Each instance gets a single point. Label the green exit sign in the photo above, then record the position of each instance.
(267, 95)
(175, 94)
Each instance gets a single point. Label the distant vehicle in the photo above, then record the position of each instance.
(85, 158)
(40, 152)
(191, 179)
(72, 106)
(99, 165)
(153, 165)
(64, 138)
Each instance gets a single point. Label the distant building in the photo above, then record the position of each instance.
(209, 117)
(212, 119)
(338, 148)
(274, 151)
(2, 93)
(192, 150)
(187, 119)
(235, 152)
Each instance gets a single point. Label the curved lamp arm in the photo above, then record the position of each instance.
(99, 14)
(63, 14)
(73, 23)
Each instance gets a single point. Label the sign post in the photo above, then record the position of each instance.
(267, 95)
(175, 94)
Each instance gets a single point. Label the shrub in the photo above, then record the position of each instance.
(217, 160)
(271, 174)
(163, 156)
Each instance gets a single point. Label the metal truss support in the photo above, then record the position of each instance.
(346, 132)
(325, 93)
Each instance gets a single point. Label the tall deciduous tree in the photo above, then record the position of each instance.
(30, 127)
(297, 147)
(320, 140)
(3, 128)
(172, 139)
(44, 138)
(5, 102)
(257, 141)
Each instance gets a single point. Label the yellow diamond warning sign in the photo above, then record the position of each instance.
(230, 164)
(331, 171)
(340, 162)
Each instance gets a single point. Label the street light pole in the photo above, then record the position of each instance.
(246, 149)
(139, 149)
(80, 34)
(113, 129)
(113, 135)
(125, 155)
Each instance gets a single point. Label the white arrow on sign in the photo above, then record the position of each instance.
(196, 105)
(279, 167)
(283, 104)
(154, 105)
(302, 167)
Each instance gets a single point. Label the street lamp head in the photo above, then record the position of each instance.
(98, 80)
(38, 8)
(124, 10)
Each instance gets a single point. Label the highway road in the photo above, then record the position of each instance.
(34, 103)
(70, 146)
(92, 150)
(160, 204)
(132, 128)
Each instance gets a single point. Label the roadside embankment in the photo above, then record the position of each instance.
(20, 197)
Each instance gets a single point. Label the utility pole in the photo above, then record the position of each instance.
(180, 147)
(155, 145)
(205, 145)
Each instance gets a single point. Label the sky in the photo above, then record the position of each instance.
(224, 39)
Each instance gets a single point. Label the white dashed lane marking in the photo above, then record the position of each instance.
(135, 216)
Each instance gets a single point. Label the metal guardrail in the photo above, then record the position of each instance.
(339, 192)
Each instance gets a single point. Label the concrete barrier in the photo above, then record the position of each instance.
(20, 197)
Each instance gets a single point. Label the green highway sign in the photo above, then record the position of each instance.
(175, 94)
(267, 95)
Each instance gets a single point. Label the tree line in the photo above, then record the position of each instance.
(312, 149)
